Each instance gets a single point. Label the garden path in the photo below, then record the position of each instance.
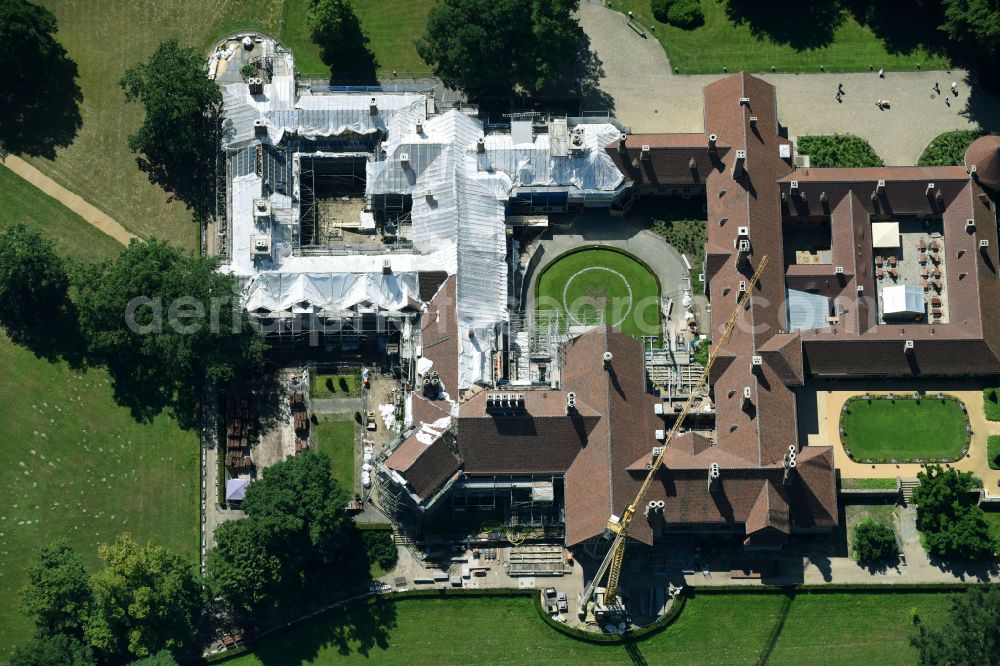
(91, 214)
(649, 97)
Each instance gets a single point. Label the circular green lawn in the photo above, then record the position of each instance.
(904, 429)
(585, 283)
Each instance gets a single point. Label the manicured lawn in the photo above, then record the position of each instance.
(793, 37)
(20, 201)
(585, 282)
(392, 27)
(868, 484)
(74, 465)
(991, 404)
(336, 439)
(330, 385)
(104, 39)
(993, 518)
(712, 629)
(904, 429)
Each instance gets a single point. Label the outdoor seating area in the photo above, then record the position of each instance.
(911, 253)
(241, 427)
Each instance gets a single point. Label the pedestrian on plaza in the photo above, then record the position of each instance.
(937, 88)
(881, 73)
(954, 88)
(840, 88)
(947, 101)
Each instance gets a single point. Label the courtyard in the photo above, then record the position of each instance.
(904, 429)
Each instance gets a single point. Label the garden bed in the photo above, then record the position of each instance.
(904, 428)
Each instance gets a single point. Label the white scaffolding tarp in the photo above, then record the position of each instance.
(903, 299)
(326, 293)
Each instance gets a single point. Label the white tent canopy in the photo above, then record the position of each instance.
(903, 299)
(885, 234)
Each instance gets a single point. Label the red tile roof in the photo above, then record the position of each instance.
(984, 153)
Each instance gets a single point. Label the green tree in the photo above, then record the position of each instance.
(492, 47)
(686, 14)
(948, 149)
(381, 548)
(970, 634)
(146, 599)
(246, 565)
(163, 322)
(33, 282)
(974, 25)
(51, 649)
(57, 593)
(39, 95)
(295, 525)
(838, 150)
(329, 21)
(161, 658)
(177, 143)
(952, 523)
(874, 542)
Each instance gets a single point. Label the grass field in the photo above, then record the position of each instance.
(392, 27)
(904, 429)
(336, 438)
(591, 280)
(713, 629)
(104, 39)
(869, 484)
(20, 201)
(74, 465)
(793, 37)
(330, 385)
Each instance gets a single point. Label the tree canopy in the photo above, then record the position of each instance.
(146, 599)
(178, 139)
(874, 542)
(33, 282)
(49, 649)
(974, 25)
(295, 522)
(57, 593)
(38, 91)
(952, 523)
(163, 322)
(970, 634)
(492, 47)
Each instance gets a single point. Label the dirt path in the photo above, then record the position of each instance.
(74, 202)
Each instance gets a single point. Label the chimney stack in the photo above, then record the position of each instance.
(372, 107)
(644, 153)
(789, 465)
(481, 146)
(622, 140)
(570, 403)
(712, 139)
(739, 165)
(608, 356)
(713, 477)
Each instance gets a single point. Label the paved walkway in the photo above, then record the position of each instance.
(830, 398)
(651, 98)
(74, 202)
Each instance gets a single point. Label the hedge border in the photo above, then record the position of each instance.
(893, 397)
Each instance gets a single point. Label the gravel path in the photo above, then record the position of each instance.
(74, 202)
(650, 98)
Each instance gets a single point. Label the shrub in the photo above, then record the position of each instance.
(993, 451)
(953, 525)
(686, 14)
(838, 150)
(380, 548)
(948, 149)
(874, 542)
(991, 404)
(661, 9)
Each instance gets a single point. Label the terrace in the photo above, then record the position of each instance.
(910, 253)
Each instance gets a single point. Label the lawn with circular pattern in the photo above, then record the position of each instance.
(585, 282)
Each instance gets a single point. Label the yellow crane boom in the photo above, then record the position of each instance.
(612, 563)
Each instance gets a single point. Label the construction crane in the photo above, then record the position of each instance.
(617, 528)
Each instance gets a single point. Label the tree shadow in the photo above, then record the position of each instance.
(981, 107)
(41, 104)
(903, 25)
(55, 338)
(351, 59)
(801, 25)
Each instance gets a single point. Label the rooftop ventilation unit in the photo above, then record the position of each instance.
(742, 231)
(753, 120)
(984, 243)
(744, 101)
(756, 360)
(404, 158)
(261, 208)
(576, 143)
(372, 107)
(908, 345)
(839, 270)
(661, 435)
(504, 403)
(970, 223)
